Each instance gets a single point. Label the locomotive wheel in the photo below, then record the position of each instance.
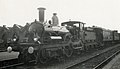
(68, 51)
(42, 57)
(20, 57)
(26, 57)
(67, 37)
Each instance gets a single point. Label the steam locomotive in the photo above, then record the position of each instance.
(42, 42)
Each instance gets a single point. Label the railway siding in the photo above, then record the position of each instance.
(114, 63)
(95, 62)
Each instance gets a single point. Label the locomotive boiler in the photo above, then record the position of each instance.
(47, 34)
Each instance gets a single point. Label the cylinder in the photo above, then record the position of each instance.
(41, 14)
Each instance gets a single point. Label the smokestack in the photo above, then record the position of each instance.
(41, 14)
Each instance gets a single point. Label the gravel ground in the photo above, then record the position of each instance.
(116, 65)
(113, 64)
(90, 64)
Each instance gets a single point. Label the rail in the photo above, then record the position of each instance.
(102, 64)
(14, 65)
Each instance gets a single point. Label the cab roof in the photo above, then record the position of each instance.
(71, 22)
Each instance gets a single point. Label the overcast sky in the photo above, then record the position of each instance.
(102, 13)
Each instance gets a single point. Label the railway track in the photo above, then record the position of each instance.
(11, 65)
(102, 64)
(96, 62)
(83, 65)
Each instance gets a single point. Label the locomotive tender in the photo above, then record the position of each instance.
(42, 42)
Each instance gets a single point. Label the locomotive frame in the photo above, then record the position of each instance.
(43, 52)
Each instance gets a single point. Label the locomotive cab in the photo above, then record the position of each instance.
(76, 28)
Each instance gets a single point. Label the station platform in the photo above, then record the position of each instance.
(114, 63)
(8, 56)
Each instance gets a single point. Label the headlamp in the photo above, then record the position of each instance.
(30, 50)
(35, 39)
(14, 39)
(9, 49)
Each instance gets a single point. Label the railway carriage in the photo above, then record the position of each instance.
(90, 38)
(116, 37)
(106, 36)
